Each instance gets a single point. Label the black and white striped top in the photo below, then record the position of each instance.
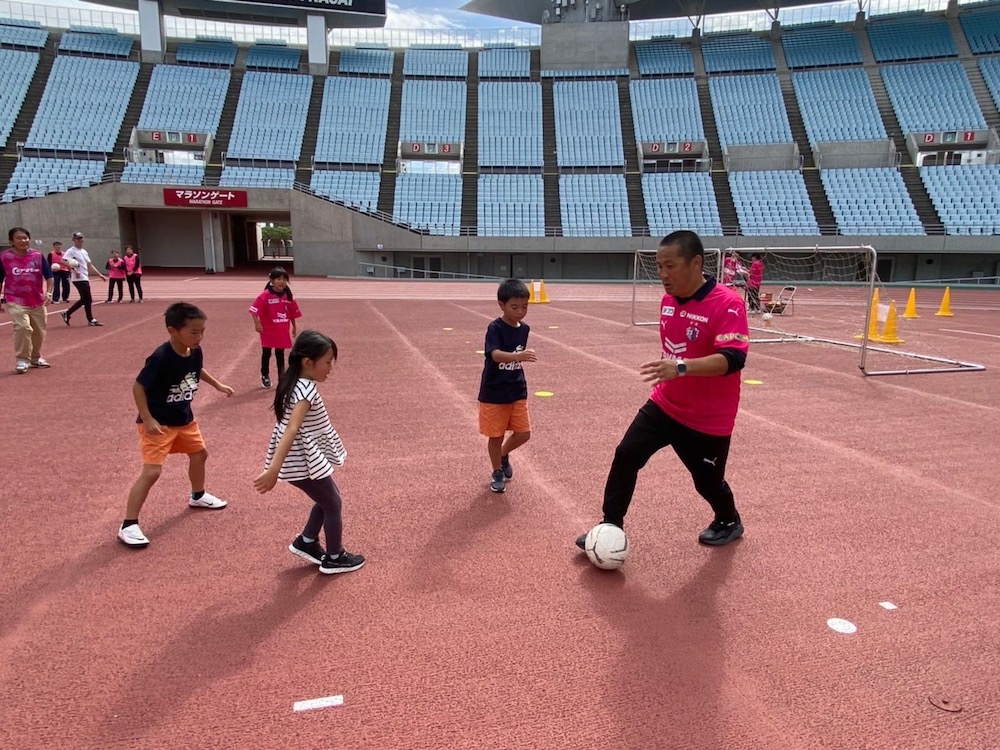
(317, 447)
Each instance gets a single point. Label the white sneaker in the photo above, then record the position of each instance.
(21, 367)
(132, 536)
(40, 362)
(207, 501)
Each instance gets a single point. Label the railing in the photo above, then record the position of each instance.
(382, 271)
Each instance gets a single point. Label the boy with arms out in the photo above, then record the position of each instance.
(163, 393)
(503, 391)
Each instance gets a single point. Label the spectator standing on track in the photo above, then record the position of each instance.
(81, 280)
(705, 337)
(274, 313)
(304, 450)
(25, 287)
(60, 289)
(163, 392)
(116, 276)
(133, 273)
(503, 390)
(754, 280)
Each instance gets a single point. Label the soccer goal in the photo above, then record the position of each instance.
(647, 289)
(832, 296)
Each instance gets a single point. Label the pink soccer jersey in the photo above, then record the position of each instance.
(698, 327)
(275, 313)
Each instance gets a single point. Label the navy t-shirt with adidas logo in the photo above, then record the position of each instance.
(171, 382)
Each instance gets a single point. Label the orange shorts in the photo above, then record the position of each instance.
(155, 448)
(496, 419)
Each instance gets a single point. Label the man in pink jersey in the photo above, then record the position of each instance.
(705, 338)
(26, 281)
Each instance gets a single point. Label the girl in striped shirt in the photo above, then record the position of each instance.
(304, 450)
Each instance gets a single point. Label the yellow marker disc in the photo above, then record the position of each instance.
(447, 329)
(480, 351)
(543, 394)
(754, 382)
(553, 327)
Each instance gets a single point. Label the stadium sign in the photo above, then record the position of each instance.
(167, 140)
(429, 150)
(204, 198)
(657, 149)
(954, 138)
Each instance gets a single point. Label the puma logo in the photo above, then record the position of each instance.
(710, 460)
(734, 311)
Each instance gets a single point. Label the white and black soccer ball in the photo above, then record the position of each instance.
(606, 546)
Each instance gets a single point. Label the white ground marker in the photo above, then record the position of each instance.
(309, 705)
(887, 605)
(842, 626)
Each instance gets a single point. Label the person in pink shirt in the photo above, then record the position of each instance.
(705, 337)
(133, 273)
(25, 287)
(116, 276)
(274, 313)
(754, 281)
(60, 273)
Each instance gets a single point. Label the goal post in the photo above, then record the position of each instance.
(647, 289)
(819, 295)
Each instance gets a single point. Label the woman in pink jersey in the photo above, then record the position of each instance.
(116, 275)
(133, 273)
(274, 313)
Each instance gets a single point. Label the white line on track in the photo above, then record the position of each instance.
(971, 333)
(313, 703)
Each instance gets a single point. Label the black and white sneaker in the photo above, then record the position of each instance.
(721, 532)
(508, 470)
(581, 541)
(309, 551)
(265, 381)
(497, 481)
(95, 323)
(345, 562)
(65, 316)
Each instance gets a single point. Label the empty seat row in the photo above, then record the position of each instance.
(184, 98)
(353, 120)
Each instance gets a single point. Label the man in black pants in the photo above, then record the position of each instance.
(81, 280)
(705, 337)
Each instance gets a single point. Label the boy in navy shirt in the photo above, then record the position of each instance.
(503, 391)
(163, 393)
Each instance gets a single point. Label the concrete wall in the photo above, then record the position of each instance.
(568, 46)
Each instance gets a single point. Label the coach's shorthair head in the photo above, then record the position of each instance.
(688, 244)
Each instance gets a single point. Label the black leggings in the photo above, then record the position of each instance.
(265, 360)
(703, 455)
(326, 512)
(85, 301)
(60, 286)
(112, 283)
(753, 297)
(134, 285)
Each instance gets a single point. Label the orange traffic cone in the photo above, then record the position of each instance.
(945, 310)
(911, 305)
(872, 334)
(890, 334)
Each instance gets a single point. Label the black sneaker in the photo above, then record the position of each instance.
(65, 316)
(345, 562)
(497, 482)
(581, 541)
(508, 470)
(96, 323)
(719, 533)
(265, 381)
(309, 551)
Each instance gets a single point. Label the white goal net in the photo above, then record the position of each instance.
(828, 296)
(647, 289)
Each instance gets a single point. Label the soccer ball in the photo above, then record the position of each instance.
(73, 263)
(606, 546)
(767, 317)
(56, 267)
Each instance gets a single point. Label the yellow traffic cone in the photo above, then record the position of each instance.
(872, 321)
(890, 334)
(537, 294)
(911, 305)
(945, 310)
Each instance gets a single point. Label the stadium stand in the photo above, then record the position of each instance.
(270, 116)
(272, 57)
(207, 53)
(594, 205)
(510, 124)
(433, 111)
(664, 57)
(681, 200)
(982, 30)
(820, 46)
(355, 188)
(366, 61)
(163, 174)
(666, 109)
(17, 33)
(990, 68)
(871, 201)
(773, 202)
(436, 63)
(510, 205)
(505, 62)
(104, 44)
(932, 96)
(911, 38)
(16, 70)
(741, 99)
(737, 53)
(588, 124)
(353, 120)
(38, 176)
(185, 98)
(838, 105)
(69, 121)
(258, 177)
(429, 202)
(966, 197)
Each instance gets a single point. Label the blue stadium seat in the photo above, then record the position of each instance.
(436, 63)
(594, 205)
(982, 30)
(664, 57)
(681, 201)
(353, 120)
(588, 124)
(735, 53)
(433, 111)
(820, 47)
(429, 202)
(35, 177)
(510, 124)
(505, 62)
(367, 61)
(184, 98)
(270, 116)
(511, 205)
(666, 109)
(911, 38)
(773, 202)
(163, 174)
(17, 67)
(739, 100)
(932, 96)
(838, 105)
(871, 201)
(257, 177)
(967, 198)
(358, 189)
